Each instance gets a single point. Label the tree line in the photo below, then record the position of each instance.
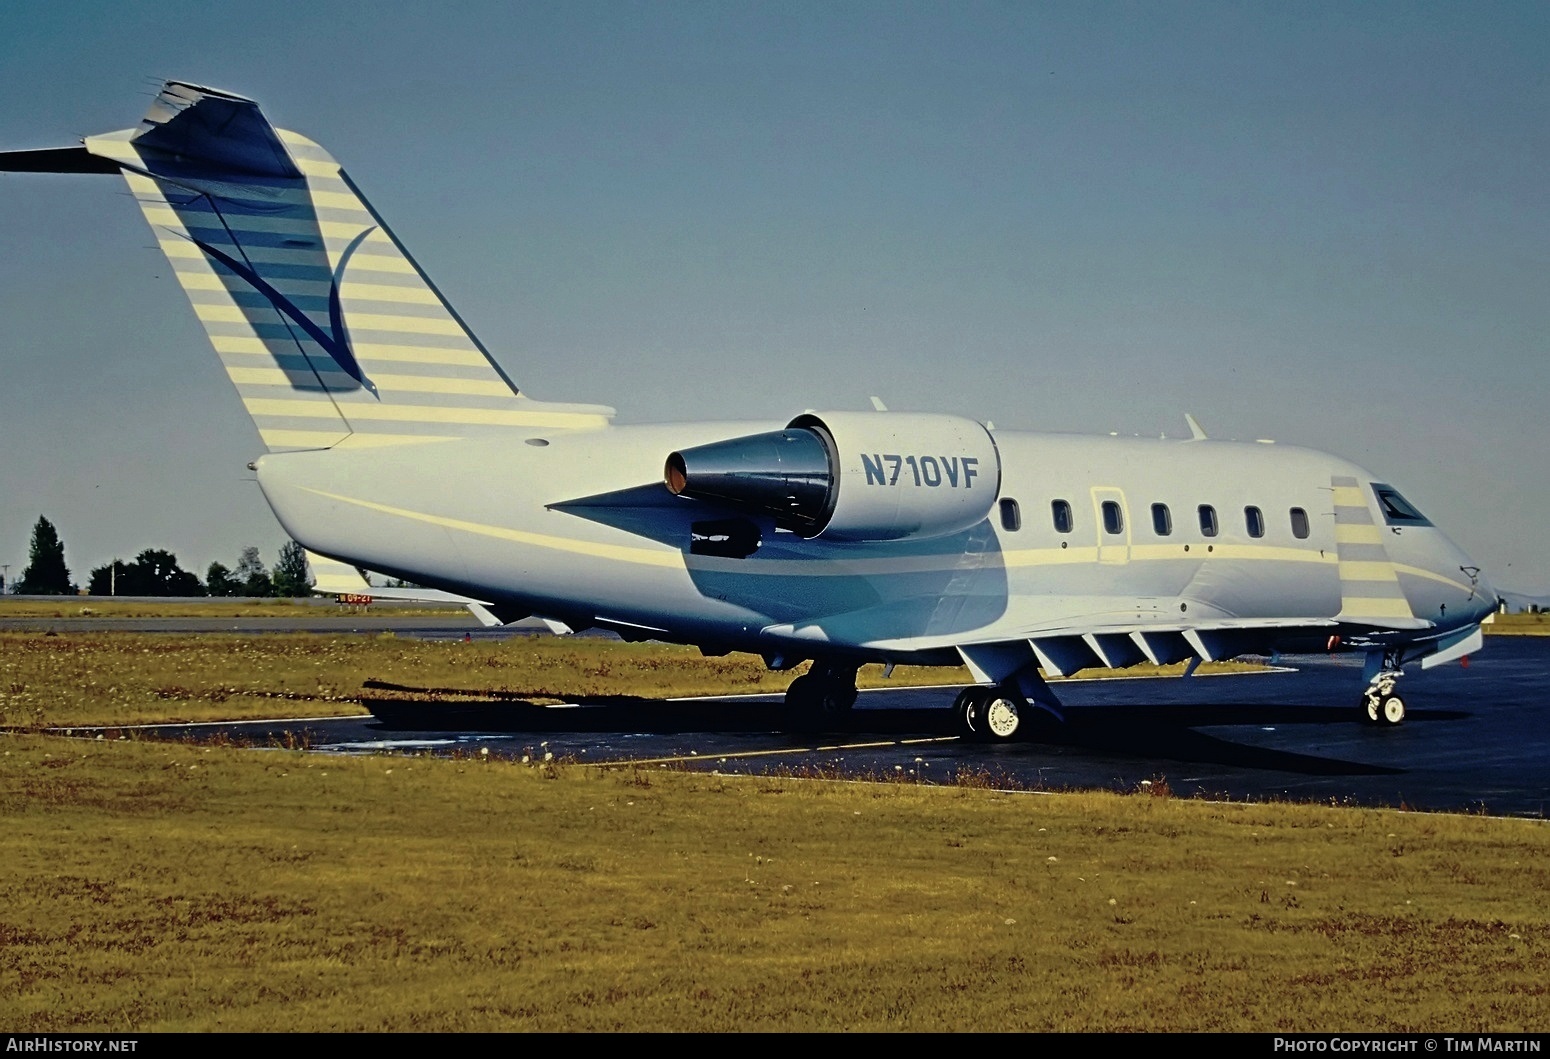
(155, 572)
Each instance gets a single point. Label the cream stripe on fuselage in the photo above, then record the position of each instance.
(643, 556)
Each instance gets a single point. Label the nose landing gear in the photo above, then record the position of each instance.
(1381, 702)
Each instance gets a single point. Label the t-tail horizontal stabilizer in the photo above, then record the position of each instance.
(330, 577)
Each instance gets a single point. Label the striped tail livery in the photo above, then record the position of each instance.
(325, 324)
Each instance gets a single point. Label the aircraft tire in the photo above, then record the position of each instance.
(969, 712)
(804, 710)
(1381, 704)
(1003, 717)
(1391, 710)
(843, 696)
(816, 703)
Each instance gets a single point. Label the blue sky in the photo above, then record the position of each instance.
(1320, 223)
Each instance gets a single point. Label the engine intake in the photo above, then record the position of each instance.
(853, 476)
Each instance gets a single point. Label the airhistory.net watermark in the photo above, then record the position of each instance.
(41, 1043)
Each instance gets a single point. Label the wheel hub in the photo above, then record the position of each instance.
(1002, 717)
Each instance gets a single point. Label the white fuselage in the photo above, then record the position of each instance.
(577, 527)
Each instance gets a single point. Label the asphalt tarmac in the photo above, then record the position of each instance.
(1476, 738)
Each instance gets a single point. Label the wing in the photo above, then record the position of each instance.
(996, 637)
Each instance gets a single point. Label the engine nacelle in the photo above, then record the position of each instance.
(852, 476)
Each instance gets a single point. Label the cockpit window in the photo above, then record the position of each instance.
(1397, 511)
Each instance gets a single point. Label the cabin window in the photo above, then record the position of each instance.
(1299, 523)
(1254, 521)
(1397, 511)
(1061, 511)
(1162, 520)
(1011, 517)
(1113, 519)
(1208, 525)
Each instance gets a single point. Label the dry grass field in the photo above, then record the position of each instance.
(173, 887)
(157, 886)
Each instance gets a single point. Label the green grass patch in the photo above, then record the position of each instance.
(153, 886)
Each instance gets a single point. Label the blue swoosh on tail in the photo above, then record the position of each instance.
(336, 345)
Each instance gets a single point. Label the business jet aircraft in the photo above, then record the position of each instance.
(397, 444)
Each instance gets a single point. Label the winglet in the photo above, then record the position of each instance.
(1196, 432)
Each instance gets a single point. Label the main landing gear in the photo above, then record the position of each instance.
(821, 699)
(1381, 702)
(995, 714)
(1015, 707)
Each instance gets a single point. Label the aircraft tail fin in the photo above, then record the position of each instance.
(325, 324)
